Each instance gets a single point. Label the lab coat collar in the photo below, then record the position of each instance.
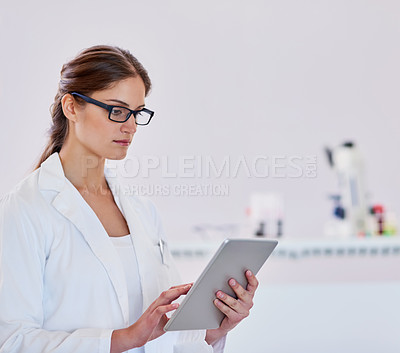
(51, 175)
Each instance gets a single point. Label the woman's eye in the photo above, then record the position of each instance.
(116, 111)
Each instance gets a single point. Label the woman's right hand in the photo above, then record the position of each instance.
(150, 325)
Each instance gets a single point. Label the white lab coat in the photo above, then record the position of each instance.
(62, 285)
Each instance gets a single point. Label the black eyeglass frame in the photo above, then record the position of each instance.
(111, 107)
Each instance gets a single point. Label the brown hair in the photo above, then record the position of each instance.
(93, 69)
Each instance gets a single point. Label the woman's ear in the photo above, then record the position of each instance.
(69, 107)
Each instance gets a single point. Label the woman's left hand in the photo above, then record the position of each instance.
(235, 310)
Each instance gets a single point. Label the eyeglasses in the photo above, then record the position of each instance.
(120, 114)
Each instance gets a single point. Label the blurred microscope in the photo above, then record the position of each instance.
(352, 214)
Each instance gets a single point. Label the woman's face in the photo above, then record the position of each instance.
(98, 135)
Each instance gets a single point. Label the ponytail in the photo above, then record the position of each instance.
(58, 131)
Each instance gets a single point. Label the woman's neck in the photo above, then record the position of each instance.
(84, 170)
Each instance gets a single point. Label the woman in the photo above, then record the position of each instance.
(82, 266)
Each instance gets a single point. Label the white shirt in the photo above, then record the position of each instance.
(126, 252)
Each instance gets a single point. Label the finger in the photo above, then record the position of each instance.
(161, 310)
(159, 330)
(240, 307)
(183, 285)
(231, 314)
(240, 292)
(172, 294)
(252, 282)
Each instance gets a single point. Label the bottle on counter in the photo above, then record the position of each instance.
(265, 214)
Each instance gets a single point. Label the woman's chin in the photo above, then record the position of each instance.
(118, 156)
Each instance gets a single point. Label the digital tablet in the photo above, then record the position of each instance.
(232, 259)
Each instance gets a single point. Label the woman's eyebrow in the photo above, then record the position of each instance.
(125, 104)
(118, 101)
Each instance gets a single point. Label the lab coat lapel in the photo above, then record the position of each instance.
(71, 204)
(144, 244)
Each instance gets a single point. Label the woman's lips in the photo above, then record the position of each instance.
(122, 142)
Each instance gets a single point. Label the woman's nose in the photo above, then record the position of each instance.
(129, 126)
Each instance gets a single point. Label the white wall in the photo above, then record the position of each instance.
(231, 79)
